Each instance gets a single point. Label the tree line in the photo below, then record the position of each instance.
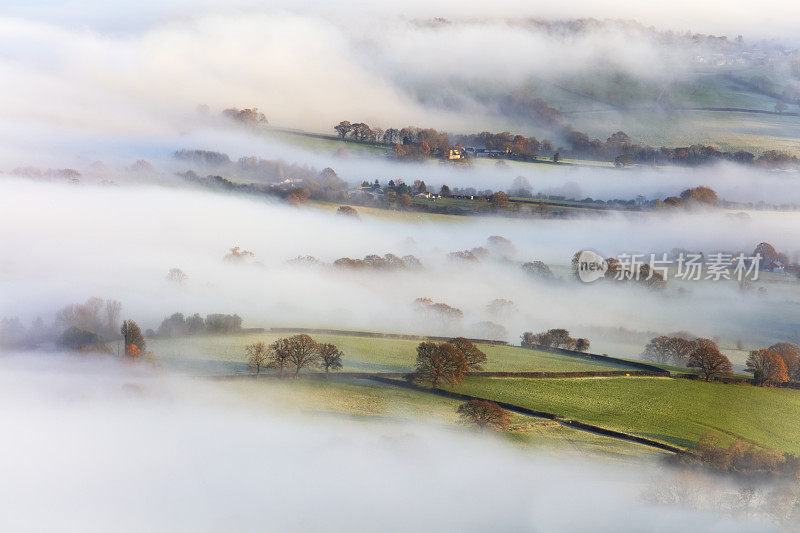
(293, 354)
(555, 338)
(178, 325)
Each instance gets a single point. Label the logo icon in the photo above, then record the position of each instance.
(591, 266)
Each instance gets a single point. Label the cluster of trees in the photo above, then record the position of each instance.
(82, 326)
(81, 340)
(446, 362)
(690, 197)
(69, 174)
(664, 349)
(409, 142)
(324, 185)
(247, 116)
(179, 325)
(555, 338)
(496, 246)
(250, 167)
(770, 255)
(514, 145)
(774, 365)
(639, 274)
(387, 262)
(741, 457)
(770, 366)
(538, 270)
(238, 255)
(415, 143)
(439, 310)
(96, 315)
(502, 307)
(293, 354)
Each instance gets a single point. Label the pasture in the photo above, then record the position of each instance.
(224, 354)
(675, 411)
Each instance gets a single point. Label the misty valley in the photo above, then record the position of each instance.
(431, 267)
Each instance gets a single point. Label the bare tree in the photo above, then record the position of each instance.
(711, 362)
(257, 356)
(303, 352)
(330, 357)
(113, 308)
(280, 351)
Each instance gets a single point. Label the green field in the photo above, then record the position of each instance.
(373, 402)
(217, 354)
(676, 411)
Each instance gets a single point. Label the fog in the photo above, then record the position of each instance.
(72, 242)
(84, 82)
(100, 447)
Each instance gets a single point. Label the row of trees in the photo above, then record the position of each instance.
(740, 457)
(388, 262)
(178, 325)
(770, 366)
(554, 338)
(699, 353)
(411, 136)
(438, 310)
(293, 354)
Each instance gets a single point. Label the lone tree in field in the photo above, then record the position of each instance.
(483, 414)
(330, 357)
(440, 362)
(711, 362)
(767, 367)
(257, 356)
(347, 211)
(303, 352)
(474, 356)
(280, 351)
(134, 340)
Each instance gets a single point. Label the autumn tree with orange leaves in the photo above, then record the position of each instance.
(483, 414)
(134, 340)
(767, 367)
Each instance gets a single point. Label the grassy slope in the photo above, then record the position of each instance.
(360, 354)
(366, 400)
(676, 411)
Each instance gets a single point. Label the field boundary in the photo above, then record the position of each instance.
(591, 428)
(376, 335)
(586, 355)
(522, 375)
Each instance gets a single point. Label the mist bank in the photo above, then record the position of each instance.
(178, 455)
(121, 242)
(82, 82)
